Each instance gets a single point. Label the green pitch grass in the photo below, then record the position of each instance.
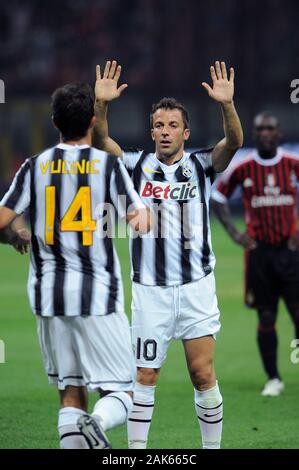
(29, 405)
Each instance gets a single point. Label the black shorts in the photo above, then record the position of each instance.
(270, 273)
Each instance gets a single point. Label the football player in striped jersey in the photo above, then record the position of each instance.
(172, 268)
(75, 288)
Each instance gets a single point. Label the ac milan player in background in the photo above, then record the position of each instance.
(268, 179)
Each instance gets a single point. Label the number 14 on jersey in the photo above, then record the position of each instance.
(69, 223)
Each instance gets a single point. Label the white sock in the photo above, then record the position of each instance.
(113, 409)
(70, 435)
(140, 419)
(209, 410)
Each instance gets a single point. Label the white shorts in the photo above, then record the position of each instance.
(160, 314)
(92, 351)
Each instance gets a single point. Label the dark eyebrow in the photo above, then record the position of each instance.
(161, 122)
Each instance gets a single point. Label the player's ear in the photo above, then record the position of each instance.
(152, 134)
(186, 134)
(92, 122)
(53, 122)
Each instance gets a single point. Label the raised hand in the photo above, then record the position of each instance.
(223, 88)
(106, 87)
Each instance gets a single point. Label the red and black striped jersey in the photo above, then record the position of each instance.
(269, 192)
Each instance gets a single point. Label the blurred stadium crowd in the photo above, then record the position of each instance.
(161, 43)
(165, 49)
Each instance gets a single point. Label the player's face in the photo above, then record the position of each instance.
(266, 134)
(169, 132)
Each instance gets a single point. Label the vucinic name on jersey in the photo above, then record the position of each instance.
(169, 191)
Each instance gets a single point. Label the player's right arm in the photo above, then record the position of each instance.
(223, 213)
(219, 202)
(12, 231)
(106, 89)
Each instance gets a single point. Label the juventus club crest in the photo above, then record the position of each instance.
(186, 170)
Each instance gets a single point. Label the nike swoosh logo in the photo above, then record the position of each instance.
(149, 170)
(137, 411)
(211, 416)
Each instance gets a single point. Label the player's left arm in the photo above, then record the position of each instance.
(222, 91)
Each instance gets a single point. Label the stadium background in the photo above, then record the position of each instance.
(165, 49)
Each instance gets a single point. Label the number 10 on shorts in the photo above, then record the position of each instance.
(146, 349)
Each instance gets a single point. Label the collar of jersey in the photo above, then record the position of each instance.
(170, 168)
(268, 161)
(63, 146)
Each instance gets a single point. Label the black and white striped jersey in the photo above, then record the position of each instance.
(178, 250)
(72, 192)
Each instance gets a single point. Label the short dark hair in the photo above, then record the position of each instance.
(73, 110)
(266, 115)
(170, 103)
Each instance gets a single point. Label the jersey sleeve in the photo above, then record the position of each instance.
(17, 197)
(122, 192)
(130, 158)
(205, 158)
(226, 185)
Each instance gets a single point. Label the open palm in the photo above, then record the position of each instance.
(223, 88)
(106, 87)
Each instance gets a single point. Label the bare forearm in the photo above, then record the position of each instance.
(100, 137)
(223, 213)
(227, 147)
(232, 126)
(241, 238)
(100, 130)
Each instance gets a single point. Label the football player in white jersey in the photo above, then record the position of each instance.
(173, 282)
(74, 284)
